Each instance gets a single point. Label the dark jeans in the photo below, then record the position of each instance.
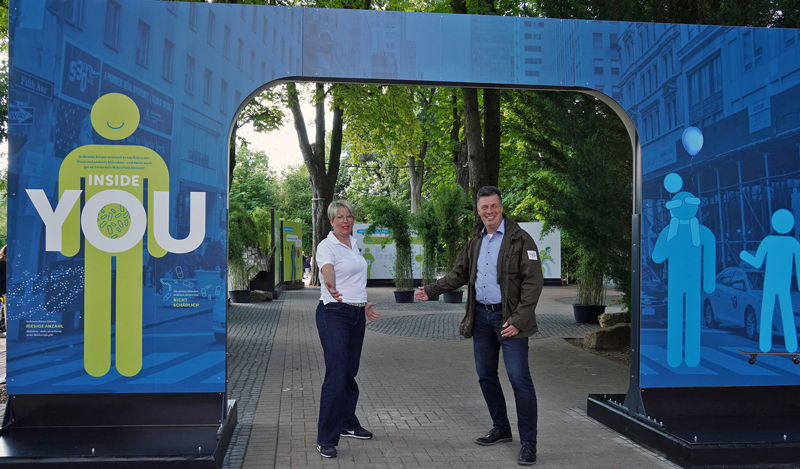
(341, 331)
(486, 345)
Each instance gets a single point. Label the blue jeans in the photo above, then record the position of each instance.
(486, 345)
(341, 331)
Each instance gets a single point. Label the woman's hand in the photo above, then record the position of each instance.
(334, 292)
(371, 313)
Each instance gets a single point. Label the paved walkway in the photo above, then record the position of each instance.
(419, 392)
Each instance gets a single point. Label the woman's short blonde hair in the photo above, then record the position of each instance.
(333, 208)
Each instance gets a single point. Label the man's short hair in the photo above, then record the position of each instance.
(487, 191)
(333, 208)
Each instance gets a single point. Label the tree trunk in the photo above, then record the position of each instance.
(416, 169)
(461, 160)
(491, 139)
(484, 161)
(322, 177)
(474, 139)
(459, 154)
(232, 155)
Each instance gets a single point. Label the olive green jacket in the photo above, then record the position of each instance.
(519, 272)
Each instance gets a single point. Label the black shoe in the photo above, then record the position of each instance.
(359, 433)
(527, 455)
(494, 436)
(327, 451)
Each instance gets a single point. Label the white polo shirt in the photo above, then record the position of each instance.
(349, 266)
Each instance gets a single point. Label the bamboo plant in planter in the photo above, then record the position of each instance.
(450, 208)
(387, 214)
(241, 232)
(591, 289)
(426, 225)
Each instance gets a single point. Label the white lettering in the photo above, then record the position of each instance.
(112, 180)
(197, 223)
(53, 219)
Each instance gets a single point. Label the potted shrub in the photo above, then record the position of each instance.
(395, 217)
(426, 224)
(241, 233)
(450, 208)
(591, 289)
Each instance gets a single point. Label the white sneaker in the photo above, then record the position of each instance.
(359, 433)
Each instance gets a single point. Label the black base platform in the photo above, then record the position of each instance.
(710, 428)
(294, 285)
(196, 445)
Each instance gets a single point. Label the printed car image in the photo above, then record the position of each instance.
(736, 301)
(654, 297)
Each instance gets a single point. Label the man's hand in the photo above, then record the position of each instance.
(508, 331)
(334, 292)
(420, 294)
(371, 313)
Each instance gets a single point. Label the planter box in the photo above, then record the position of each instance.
(588, 314)
(404, 296)
(240, 296)
(453, 296)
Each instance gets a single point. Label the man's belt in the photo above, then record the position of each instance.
(357, 305)
(494, 307)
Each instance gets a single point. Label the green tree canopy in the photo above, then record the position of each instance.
(574, 168)
(254, 184)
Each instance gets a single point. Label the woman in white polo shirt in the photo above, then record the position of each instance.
(341, 324)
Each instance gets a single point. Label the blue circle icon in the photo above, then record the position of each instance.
(673, 183)
(783, 221)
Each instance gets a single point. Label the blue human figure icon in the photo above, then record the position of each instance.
(782, 253)
(691, 250)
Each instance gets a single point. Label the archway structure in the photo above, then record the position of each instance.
(189, 68)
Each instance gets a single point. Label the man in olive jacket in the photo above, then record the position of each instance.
(501, 263)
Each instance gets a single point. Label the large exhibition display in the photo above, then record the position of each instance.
(120, 114)
(380, 252)
(292, 246)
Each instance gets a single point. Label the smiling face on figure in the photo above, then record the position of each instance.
(115, 116)
(490, 210)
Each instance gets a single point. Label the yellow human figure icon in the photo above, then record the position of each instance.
(120, 173)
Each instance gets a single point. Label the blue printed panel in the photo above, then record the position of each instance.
(375, 46)
(61, 63)
(718, 116)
